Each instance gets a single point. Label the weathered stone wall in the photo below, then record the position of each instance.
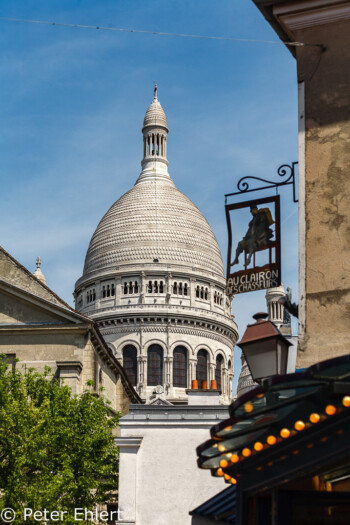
(326, 77)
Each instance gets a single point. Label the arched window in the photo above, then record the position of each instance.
(130, 363)
(136, 288)
(202, 366)
(180, 367)
(125, 288)
(113, 290)
(155, 365)
(185, 289)
(103, 291)
(161, 287)
(218, 370)
(197, 291)
(175, 287)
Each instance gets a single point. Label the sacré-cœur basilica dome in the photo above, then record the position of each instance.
(154, 282)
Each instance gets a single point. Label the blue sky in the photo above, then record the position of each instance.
(72, 105)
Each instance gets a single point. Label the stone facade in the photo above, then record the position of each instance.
(153, 281)
(324, 166)
(41, 330)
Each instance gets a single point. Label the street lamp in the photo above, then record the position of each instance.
(264, 348)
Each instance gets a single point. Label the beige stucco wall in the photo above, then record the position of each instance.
(326, 77)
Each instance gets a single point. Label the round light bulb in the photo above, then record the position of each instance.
(246, 452)
(258, 446)
(314, 418)
(346, 401)
(285, 433)
(233, 481)
(271, 440)
(299, 425)
(330, 410)
(235, 458)
(248, 407)
(221, 448)
(220, 472)
(223, 463)
(227, 477)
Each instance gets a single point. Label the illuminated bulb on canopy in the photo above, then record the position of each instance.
(222, 448)
(271, 440)
(330, 410)
(235, 458)
(223, 463)
(285, 433)
(227, 477)
(248, 407)
(258, 446)
(346, 401)
(299, 425)
(233, 481)
(246, 452)
(220, 472)
(314, 418)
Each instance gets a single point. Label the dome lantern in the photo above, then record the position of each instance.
(155, 131)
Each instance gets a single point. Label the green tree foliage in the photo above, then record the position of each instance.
(56, 451)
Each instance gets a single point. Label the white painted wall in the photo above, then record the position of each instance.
(168, 482)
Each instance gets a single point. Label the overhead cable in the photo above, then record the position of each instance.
(159, 33)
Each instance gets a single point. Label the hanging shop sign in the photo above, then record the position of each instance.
(254, 245)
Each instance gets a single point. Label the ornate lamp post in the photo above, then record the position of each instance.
(264, 348)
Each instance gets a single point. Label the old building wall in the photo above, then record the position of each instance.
(326, 275)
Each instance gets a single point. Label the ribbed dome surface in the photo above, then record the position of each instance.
(155, 115)
(154, 220)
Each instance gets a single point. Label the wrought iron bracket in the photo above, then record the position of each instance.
(285, 170)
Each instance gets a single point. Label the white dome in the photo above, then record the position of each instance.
(154, 220)
(154, 282)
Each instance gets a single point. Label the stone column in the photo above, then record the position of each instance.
(192, 370)
(143, 287)
(192, 291)
(212, 367)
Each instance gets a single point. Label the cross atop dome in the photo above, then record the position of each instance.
(155, 91)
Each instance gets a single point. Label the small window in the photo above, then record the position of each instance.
(202, 366)
(218, 370)
(113, 290)
(202, 292)
(125, 289)
(175, 288)
(136, 287)
(130, 363)
(180, 288)
(161, 287)
(185, 289)
(206, 294)
(197, 291)
(155, 287)
(108, 291)
(149, 287)
(155, 365)
(180, 367)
